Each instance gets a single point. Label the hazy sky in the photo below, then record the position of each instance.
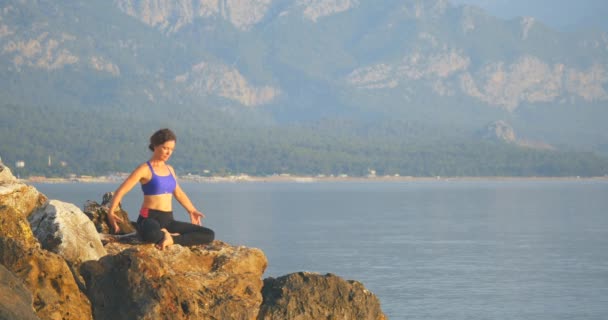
(559, 14)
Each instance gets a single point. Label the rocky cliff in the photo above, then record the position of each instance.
(501, 131)
(46, 275)
(445, 68)
(272, 63)
(447, 64)
(53, 266)
(448, 72)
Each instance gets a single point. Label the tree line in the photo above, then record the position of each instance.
(86, 142)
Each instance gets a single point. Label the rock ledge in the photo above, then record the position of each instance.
(54, 265)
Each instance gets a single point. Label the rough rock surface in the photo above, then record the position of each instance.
(204, 77)
(138, 281)
(64, 229)
(305, 295)
(5, 174)
(99, 215)
(15, 298)
(18, 195)
(217, 281)
(13, 225)
(171, 15)
(507, 84)
(316, 9)
(49, 279)
(46, 275)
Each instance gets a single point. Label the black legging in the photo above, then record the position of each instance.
(189, 234)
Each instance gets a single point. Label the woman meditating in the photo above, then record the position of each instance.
(158, 181)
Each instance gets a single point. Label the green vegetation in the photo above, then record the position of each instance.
(93, 122)
(89, 143)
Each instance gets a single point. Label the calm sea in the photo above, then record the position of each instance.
(428, 249)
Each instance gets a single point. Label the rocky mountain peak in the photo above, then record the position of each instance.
(423, 9)
(172, 15)
(315, 9)
(408, 60)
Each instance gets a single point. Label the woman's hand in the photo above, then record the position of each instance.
(196, 216)
(113, 220)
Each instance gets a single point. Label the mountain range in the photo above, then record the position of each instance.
(318, 75)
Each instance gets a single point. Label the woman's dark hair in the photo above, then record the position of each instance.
(161, 136)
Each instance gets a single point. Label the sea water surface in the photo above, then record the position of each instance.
(464, 249)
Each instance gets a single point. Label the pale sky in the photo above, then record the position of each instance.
(559, 14)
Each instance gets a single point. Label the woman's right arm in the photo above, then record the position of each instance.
(138, 174)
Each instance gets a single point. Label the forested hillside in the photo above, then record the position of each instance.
(303, 87)
(103, 143)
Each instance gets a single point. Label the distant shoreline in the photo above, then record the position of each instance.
(314, 179)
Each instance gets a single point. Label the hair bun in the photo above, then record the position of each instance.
(161, 136)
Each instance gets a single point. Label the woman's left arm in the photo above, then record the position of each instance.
(182, 198)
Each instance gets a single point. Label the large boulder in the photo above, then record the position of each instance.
(6, 174)
(216, 281)
(46, 275)
(14, 225)
(48, 278)
(64, 229)
(138, 281)
(15, 299)
(306, 295)
(17, 201)
(98, 213)
(21, 197)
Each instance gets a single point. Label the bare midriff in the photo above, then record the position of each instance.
(160, 202)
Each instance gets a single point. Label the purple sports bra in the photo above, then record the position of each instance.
(159, 184)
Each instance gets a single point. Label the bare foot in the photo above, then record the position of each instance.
(167, 240)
